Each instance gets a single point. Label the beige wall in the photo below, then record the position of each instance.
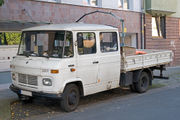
(177, 14)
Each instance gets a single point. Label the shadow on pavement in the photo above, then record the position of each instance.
(49, 107)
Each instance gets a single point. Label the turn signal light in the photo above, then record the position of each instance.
(73, 70)
(54, 71)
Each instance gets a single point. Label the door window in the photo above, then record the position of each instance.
(86, 43)
(108, 42)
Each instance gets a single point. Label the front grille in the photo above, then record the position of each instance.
(32, 80)
(28, 79)
(22, 78)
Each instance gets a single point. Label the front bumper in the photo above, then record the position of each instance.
(35, 94)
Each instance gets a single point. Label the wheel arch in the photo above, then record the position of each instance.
(137, 73)
(78, 83)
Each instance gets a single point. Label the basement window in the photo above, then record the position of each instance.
(159, 27)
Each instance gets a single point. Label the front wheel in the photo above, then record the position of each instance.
(70, 98)
(143, 83)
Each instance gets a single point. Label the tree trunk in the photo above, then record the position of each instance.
(5, 40)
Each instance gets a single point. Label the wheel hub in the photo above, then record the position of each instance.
(72, 99)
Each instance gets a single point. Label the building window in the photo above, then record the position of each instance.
(90, 2)
(159, 27)
(123, 4)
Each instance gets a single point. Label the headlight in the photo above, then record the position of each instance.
(13, 76)
(47, 82)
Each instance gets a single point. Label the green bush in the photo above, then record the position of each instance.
(1, 2)
(12, 38)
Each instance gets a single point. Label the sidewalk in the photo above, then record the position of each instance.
(5, 78)
(174, 77)
(5, 65)
(4, 86)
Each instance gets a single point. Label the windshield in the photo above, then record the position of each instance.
(56, 44)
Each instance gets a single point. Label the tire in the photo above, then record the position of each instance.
(70, 98)
(143, 83)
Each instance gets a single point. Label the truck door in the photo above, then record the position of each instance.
(87, 59)
(109, 58)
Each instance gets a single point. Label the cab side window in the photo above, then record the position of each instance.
(86, 42)
(108, 42)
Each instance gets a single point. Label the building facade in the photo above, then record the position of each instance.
(162, 26)
(18, 14)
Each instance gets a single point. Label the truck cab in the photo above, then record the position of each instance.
(75, 59)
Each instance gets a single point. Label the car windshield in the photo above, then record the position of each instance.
(55, 44)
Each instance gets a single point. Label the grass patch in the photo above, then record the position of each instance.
(5, 111)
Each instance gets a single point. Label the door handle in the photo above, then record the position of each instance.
(95, 62)
(71, 65)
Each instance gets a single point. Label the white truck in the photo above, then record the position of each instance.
(67, 61)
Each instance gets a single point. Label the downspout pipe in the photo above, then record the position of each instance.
(144, 30)
(141, 29)
(143, 25)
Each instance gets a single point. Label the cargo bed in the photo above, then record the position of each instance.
(150, 59)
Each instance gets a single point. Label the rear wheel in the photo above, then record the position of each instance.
(143, 83)
(70, 98)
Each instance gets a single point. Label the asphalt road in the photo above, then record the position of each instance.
(159, 104)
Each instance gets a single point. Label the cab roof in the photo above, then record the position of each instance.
(72, 27)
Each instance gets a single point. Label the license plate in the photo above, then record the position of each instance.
(26, 93)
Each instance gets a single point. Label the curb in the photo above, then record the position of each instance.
(5, 70)
(4, 86)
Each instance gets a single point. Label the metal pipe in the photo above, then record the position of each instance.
(123, 34)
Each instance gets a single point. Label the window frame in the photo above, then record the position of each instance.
(116, 42)
(160, 22)
(95, 42)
